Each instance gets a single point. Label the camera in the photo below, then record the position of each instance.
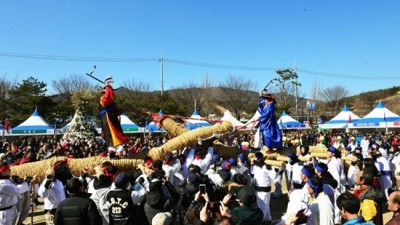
(202, 189)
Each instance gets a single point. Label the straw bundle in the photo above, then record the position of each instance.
(274, 163)
(282, 158)
(305, 158)
(227, 151)
(251, 157)
(319, 155)
(349, 158)
(270, 155)
(34, 168)
(76, 165)
(317, 149)
(172, 127)
(189, 138)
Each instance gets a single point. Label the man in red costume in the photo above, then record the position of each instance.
(109, 114)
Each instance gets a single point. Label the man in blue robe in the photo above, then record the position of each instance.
(270, 133)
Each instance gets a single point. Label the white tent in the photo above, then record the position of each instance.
(128, 126)
(34, 125)
(379, 117)
(341, 120)
(250, 125)
(229, 117)
(196, 121)
(288, 123)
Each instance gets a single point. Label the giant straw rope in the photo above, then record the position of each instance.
(76, 165)
(189, 138)
(183, 138)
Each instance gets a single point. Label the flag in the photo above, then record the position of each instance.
(146, 126)
(157, 119)
(384, 116)
(6, 125)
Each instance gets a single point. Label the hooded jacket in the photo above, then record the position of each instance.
(157, 202)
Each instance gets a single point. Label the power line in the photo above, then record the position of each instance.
(313, 72)
(220, 66)
(187, 63)
(74, 58)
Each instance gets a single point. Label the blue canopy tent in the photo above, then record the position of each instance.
(196, 121)
(34, 125)
(288, 123)
(379, 117)
(342, 120)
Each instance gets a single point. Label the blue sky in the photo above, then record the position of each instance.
(332, 42)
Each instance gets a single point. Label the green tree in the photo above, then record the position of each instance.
(286, 93)
(26, 97)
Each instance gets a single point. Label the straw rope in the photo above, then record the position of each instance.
(76, 166)
(189, 138)
(172, 127)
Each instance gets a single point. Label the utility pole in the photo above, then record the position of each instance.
(296, 90)
(162, 74)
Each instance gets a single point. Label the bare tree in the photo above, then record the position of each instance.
(333, 97)
(5, 87)
(68, 85)
(74, 90)
(362, 105)
(187, 95)
(237, 94)
(85, 100)
(208, 96)
(316, 91)
(136, 90)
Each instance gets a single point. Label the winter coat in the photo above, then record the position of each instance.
(78, 208)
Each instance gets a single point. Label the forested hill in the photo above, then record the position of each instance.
(363, 103)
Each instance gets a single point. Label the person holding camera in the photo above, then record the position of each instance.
(247, 212)
(162, 196)
(192, 215)
(52, 190)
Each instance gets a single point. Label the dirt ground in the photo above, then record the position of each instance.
(278, 207)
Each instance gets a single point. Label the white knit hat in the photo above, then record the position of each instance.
(162, 218)
(108, 79)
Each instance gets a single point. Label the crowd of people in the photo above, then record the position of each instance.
(197, 186)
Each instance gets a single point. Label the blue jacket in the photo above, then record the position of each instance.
(357, 221)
